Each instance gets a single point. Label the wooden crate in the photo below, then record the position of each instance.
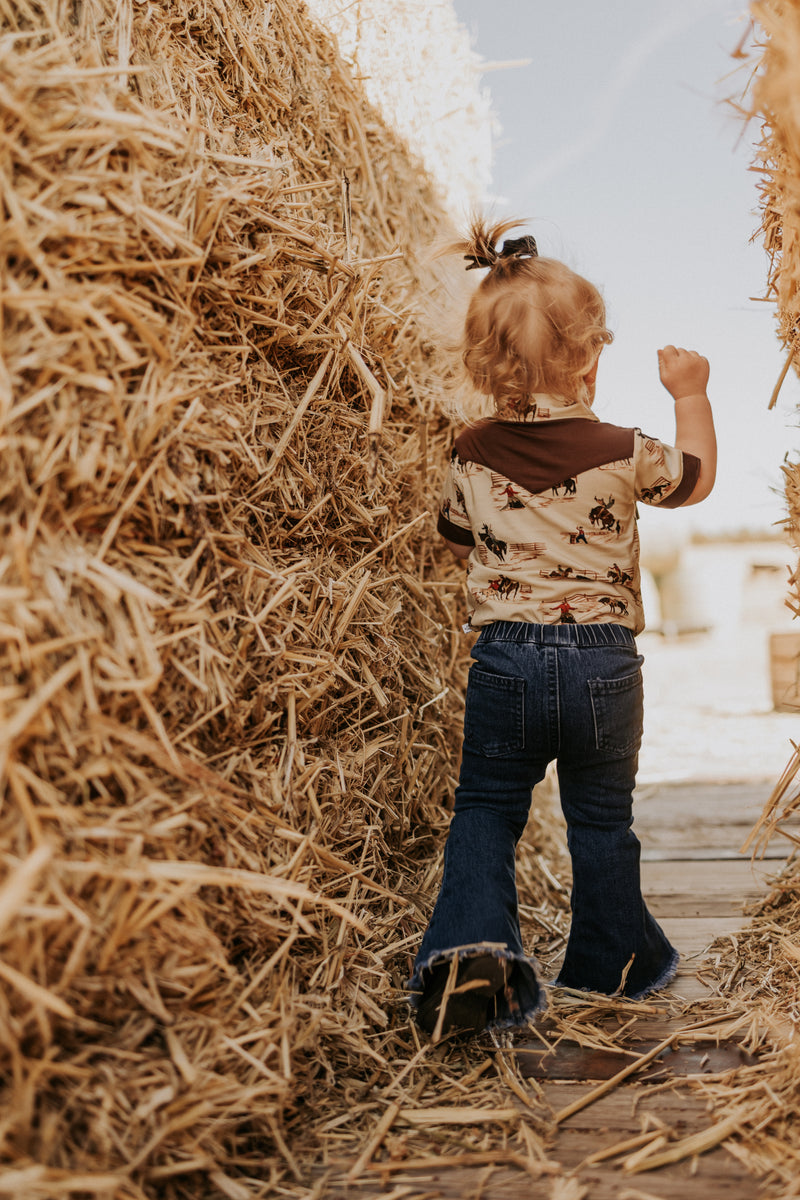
(784, 669)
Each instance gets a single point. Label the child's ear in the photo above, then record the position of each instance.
(590, 378)
(591, 374)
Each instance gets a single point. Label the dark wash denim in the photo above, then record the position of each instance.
(572, 693)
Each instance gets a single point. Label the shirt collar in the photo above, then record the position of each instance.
(549, 407)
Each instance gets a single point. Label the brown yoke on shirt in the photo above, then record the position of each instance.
(549, 507)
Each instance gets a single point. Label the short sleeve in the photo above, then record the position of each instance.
(664, 475)
(454, 523)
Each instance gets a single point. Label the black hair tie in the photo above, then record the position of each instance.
(522, 247)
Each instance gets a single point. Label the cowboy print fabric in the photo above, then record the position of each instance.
(548, 507)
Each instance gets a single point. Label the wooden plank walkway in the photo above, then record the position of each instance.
(695, 878)
(697, 884)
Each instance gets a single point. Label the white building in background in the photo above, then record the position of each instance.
(420, 72)
(718, 586)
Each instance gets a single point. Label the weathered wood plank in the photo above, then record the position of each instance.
(706, 883)
(692, 936)
(704, 853)
(693, 905)
(741, 801)
(702, 820)
(715, 1175)
(455, 1183)
(623, 1110)
(686, 987)
(570, 1061)
(720, 877)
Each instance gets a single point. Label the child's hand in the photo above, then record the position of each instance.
(683, 372)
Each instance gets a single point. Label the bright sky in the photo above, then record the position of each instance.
(617, 143)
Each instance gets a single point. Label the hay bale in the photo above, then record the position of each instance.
(231, 681)
(420, 70)
(774, 100)
(775, 103)
(756, 970)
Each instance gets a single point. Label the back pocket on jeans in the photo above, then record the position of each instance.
(494, 717)
(617, 705)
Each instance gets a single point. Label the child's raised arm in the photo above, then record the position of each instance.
(684, 373)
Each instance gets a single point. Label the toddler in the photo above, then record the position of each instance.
(540, 500)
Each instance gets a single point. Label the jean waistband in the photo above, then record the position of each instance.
(558, 635)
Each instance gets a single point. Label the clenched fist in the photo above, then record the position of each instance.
(683, 372)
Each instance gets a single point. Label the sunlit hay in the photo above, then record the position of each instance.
(759, 969)
(419, 68)
(773, 101)
(232, 684)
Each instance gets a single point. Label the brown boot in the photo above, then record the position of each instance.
(467, 999)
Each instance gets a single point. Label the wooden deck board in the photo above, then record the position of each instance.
(704, 821)
(692, 936)
(714, 1175)
(696, 889)
(573, 1062)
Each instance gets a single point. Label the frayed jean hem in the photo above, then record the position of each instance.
(666, 976)
(661, 981)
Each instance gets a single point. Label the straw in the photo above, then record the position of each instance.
(231, 701)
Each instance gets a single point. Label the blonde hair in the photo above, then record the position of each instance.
(533, 325)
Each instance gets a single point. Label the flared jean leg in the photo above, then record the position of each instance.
(614, 941)
(478, 897)
(476, 911)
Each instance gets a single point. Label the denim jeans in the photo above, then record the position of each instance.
(572, 693)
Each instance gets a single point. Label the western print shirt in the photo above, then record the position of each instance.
(548, 506)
